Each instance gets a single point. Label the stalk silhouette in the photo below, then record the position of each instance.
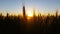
(36, 25)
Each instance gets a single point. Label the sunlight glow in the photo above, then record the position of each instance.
(29, 14)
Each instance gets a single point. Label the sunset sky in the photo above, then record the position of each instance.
(43, 6)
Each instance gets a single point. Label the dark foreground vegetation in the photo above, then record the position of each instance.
(36, 25)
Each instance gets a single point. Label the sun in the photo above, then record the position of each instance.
(29, 14)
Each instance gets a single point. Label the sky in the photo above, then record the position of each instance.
(42, 6)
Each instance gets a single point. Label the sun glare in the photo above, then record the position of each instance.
(30, 14)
